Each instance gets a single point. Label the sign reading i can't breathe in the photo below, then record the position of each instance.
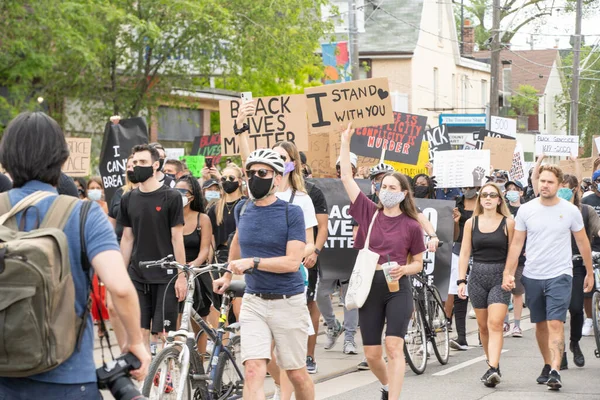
(365, 103)
(276, 119)
(400, 140)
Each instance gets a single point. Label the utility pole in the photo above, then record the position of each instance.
(495, 60)
(353, 40)
(576, 59)
(462, 27)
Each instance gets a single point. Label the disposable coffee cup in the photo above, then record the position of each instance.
(393, 284)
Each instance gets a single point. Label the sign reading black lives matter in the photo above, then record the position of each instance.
(338, 257)
(365, 103)
(208, 146)
(401, 140)
(439, 140)
(276, 119)
(117, 143)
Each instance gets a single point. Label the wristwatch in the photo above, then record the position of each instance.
(317, 251)
(256, 262)
(458, 282)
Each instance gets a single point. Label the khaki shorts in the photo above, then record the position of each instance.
(285, 321)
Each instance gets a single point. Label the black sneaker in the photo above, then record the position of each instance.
(564, 363)
(458, 344)
(311, 365)
(363, 365)
(554, 382)
(545, 375)
(384, 394)
(578, 357)
(492, 377)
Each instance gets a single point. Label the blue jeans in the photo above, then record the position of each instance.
(28, 389)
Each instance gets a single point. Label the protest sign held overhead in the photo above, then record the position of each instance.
(317, 156)
(504, 126)
(208, 146)
(581, 167)
(364, 102)
(461, 168)
(194, 164)
(78, 163)
(401, 140)
(479, 137)
(556, 145)
(438, 138)
(276, 119)
(174, 153)
(117, 143)
(501, 152)
(335, 144)
(419, 168)
(518, 169)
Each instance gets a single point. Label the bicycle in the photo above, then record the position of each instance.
(596, 302)
(427, 325)
(180, 358)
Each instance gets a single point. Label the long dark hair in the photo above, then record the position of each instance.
(197, 203)
(408, 205)
(430, 186)
(573, 183)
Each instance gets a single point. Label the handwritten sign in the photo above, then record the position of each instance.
(78, 163)
(194, 164)
(501, 151)
(174, 154)
(276, 119)
(596, 146)
(364, 102)
(317, 156)
(439, 139)
(400, 140)
(419, 168)
(582, 167)
(335, 143)
(556, 145)
(505, 126)
(208, 146)
(518, 168)
(461, 168)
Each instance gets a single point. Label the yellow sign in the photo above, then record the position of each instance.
(412, 170)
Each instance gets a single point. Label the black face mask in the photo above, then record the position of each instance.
(161, 163)
(421, 192)
(131, 177)
(142, 174)
(230, 187)
(170, 176)
(259, 188)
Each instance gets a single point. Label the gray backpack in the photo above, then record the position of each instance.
(39, 327)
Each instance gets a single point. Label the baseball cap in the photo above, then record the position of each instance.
(209, 183)
(516, 183)
(596, 175)
(353, 160)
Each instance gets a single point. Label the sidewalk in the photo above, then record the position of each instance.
(332, 363)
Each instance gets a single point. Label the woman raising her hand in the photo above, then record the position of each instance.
(396, 232)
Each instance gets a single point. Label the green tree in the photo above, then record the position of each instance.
(524, 102)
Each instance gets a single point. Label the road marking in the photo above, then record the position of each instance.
(462, 365)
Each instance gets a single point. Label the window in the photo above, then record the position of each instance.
(365, 69)
(436, 88)
(484, 93)
(179, 124)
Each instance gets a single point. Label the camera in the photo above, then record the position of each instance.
(115, 377)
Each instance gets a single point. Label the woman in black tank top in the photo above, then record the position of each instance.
(486, 237)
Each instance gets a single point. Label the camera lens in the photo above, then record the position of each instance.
(123, 388)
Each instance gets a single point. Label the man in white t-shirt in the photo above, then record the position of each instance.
(547, 222)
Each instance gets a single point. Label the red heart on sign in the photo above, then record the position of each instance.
(158, 208)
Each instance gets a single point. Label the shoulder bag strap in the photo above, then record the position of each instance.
(292, 197)
(370, 229)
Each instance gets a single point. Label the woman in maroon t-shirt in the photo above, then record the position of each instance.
(396, 233)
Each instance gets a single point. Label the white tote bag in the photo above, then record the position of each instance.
(362, 274)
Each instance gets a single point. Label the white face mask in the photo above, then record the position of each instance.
(185, 200)
(94, 194)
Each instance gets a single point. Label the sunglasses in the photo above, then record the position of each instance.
(491, 195)
(184, 192)
(597, 180)
(262, 173)
(231, 178)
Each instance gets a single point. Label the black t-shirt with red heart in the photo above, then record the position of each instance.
(151, 217)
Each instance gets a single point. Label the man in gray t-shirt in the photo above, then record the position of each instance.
(547, 222)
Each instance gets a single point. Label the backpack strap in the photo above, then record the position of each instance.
(29, 201)
(243, 209)
(86, 266)
(59, 212)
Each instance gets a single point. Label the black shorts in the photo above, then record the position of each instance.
(203, 296)
(313, 283)
(385, 307)
(151, 297)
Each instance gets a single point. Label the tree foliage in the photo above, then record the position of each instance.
(524, 102)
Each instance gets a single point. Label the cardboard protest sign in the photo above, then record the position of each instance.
(208, 146)
(400, 140)
(438, 138)
(501, 151)
(582, 167)
(556, 145)
(461, 168)
(596, 146)
(504, 126)
(419, 168)
(335, 143)
(317, 156)
(364, 102)
(479, 137)
(78, 163)
(194, 164)
(174, 154)
(518, 170)
(117, 143)
(276, 118)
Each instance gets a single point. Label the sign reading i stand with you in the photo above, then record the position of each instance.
(400, 140)
(276, 119)
(556, 145)
(439, 140)
(365, 103)
(117, 143)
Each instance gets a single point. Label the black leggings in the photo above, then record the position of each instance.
(383, 306)
(577, 296)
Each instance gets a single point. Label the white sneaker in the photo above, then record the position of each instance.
(277, 394)
(588, 328)
(472, 314)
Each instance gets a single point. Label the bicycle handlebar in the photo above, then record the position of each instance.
(169, 262)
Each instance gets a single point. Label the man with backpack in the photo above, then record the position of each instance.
(46, 349)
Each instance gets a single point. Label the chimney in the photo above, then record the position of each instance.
(468, 39)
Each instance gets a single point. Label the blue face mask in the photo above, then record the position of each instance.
(565, 193)
(211, 195)
(377, 187)
(512, 195)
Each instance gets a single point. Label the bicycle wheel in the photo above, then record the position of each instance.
(415, 342)
(596, 320)
(164, 376)
(226, 376)
(439, 328)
